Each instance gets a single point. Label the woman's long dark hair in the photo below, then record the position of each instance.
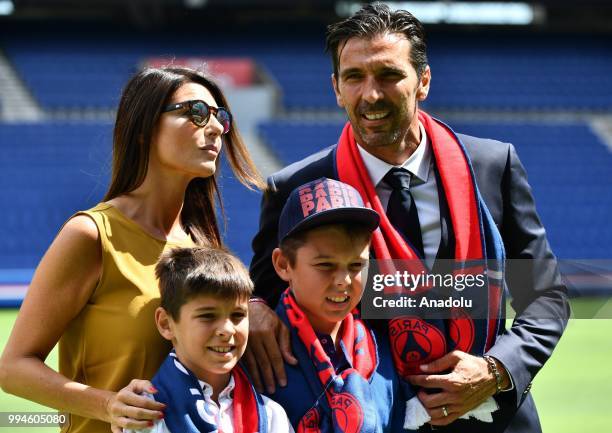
(141, 104)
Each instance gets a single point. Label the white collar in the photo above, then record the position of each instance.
(225, 394)
(417, 164)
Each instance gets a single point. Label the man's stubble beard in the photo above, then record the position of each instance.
(389, 139)
(381, 139)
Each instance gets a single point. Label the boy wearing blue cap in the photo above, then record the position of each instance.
(345, 380)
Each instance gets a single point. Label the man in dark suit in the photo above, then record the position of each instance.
(380, 76)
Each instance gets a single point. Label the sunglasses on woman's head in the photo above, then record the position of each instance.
(199, 113)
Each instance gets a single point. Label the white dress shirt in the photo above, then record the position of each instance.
(424, 190)
(222, 414)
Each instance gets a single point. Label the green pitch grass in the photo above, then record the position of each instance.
(10, 403)
(572, 392)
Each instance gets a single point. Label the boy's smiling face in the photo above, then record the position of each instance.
(326, 276)
(209, 336)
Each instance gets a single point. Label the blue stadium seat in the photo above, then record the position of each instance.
(478, 72)
(51, 170)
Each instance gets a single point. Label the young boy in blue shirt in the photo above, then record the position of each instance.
(204, 312)
(345, 380)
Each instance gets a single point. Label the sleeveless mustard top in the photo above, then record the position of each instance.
(114, 338)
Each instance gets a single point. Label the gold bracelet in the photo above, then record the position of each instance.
(493, 370)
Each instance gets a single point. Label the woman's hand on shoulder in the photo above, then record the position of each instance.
(131, 409)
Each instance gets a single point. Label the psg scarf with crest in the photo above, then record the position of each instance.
(345, 404)
(478, 250)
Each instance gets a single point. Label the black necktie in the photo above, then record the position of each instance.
(402, 211)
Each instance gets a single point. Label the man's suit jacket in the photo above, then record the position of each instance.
(536, 294)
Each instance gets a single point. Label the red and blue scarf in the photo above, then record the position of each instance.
(478, 250)
(345, 404)
(180, 390)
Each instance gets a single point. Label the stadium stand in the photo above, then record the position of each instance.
(499, 72)
(241, 208)
(48, 170)
(51, 169)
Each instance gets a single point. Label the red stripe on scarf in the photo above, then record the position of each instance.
(362, 356)
(364, 362)
(244, 404)
(460, 193)
(457, 183)
(458, 188)
(387, 242)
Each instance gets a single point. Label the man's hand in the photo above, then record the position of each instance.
(269, 343)
(464, 384)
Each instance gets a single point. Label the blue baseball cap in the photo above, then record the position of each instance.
(324, 201)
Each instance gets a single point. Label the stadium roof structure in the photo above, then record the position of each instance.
(556, 15)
